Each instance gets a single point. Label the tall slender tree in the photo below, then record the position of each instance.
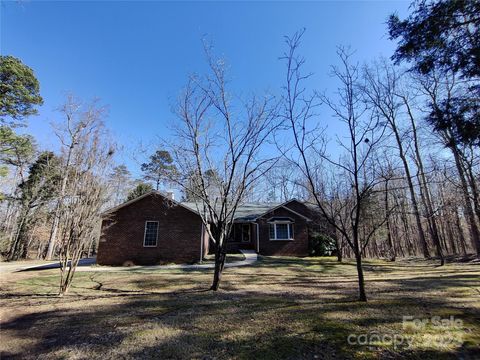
(159, 169)
(386, 93)
(119, 180)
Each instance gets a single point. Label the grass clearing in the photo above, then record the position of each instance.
(280, 308)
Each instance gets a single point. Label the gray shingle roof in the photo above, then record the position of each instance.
(245, 212)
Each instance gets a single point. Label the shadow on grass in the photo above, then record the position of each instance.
(194, 324)
(191, 325)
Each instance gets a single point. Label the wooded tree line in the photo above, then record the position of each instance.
(424, 183)
(400, 178)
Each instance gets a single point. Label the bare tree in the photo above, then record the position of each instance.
(86, 189)
(119, 183)
(78, 119)
(216, 149)
(281, 182)
(352, 178)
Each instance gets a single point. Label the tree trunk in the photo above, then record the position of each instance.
(406, 227)
(413, 197)
(432, 224)
(361, 281)
(395, 232)
(392, 250)
(338, 245)
(220, 256)
(461, 235)
(56, 217)
(53, 235)
(451, 236)
(15, 247)
(425, 195)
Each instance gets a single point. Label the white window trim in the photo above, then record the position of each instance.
(145, 234)
(274, 223)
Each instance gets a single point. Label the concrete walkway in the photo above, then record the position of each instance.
(89, 265)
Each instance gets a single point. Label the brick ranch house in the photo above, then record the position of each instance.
(154, 229)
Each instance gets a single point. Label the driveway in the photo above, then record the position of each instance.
(89, 264)
(29, 265)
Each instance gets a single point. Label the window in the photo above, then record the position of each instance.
(151, 234)
(281, 230)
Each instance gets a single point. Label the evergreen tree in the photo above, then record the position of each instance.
(139, 190)
(36, 191)
(19, 90)
(19, 95)
(15, 150)
(159, 169)
(443, 37)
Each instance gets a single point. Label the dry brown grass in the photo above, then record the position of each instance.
(281, 308)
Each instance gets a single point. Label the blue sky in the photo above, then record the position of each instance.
(136, 56)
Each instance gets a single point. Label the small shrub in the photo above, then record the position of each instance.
(320, 245)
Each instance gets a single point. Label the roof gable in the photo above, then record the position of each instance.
(286, 208)
(150, 193)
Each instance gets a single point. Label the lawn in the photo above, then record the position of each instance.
(282, 308)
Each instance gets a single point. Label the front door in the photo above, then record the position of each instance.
(245, 233)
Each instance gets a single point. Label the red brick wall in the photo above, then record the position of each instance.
(296, 247)
(179, 234)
